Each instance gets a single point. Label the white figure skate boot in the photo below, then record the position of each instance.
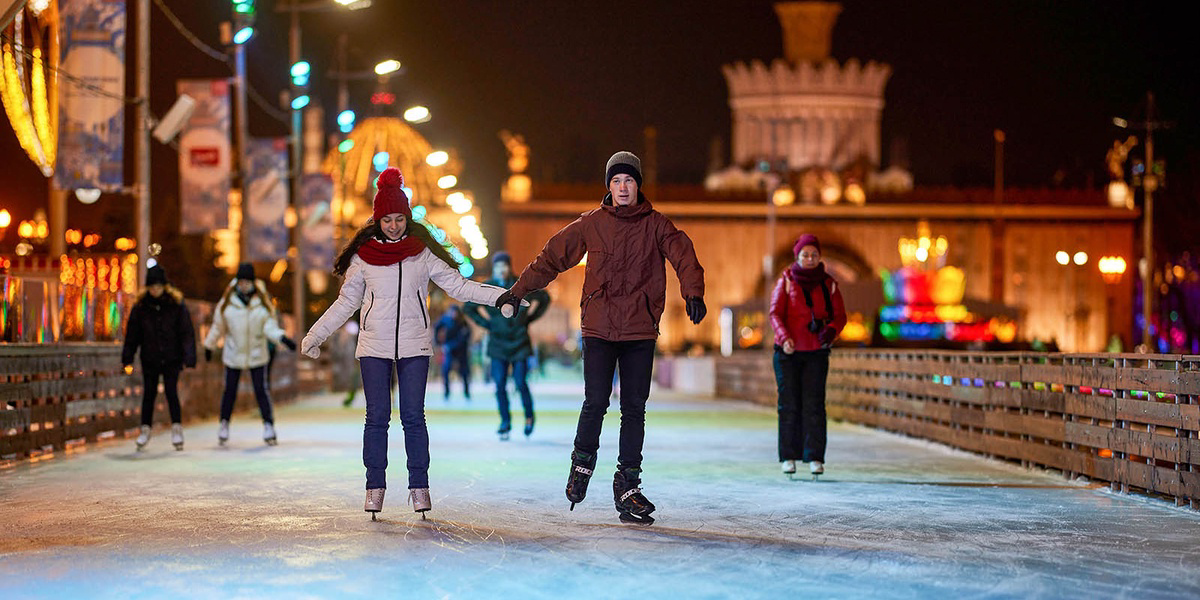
(420, 500)
(816, 467)
(269, 434)
(143, 438)
(223, 432)
(177, 435)
(374, 503)
(788, 466)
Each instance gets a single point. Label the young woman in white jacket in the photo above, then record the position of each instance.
(387, 268)
(246, 317)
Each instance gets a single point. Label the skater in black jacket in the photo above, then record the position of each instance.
(160, 325)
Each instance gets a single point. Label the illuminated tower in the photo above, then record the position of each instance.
(808, 108)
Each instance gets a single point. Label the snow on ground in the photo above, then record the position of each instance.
(893, 517)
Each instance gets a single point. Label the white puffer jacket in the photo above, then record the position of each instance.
(394, 322)
(246, 329)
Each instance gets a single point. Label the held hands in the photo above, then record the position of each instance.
(309, 346)
(508, 303)
(788, 347)
(696, 309)
(827, 335)
(287, 341)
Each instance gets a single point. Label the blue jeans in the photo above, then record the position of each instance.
(377, 388)
(520, 374)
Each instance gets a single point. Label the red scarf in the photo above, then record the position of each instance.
(382, 254)
(807, 278)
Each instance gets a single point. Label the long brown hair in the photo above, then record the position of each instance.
(372, 230)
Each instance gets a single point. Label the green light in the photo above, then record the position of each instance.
(345, 146)
(243, 35)
(300, 102)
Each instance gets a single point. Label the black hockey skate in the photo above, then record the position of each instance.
(582, 465)
(631, 504)
(504, 430)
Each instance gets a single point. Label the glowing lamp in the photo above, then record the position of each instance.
(1062, 257)
(437, 158)
(447, 181)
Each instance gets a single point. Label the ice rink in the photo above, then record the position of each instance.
(893, 517)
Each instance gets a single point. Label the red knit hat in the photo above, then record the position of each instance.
(391, 197)
(806, 239)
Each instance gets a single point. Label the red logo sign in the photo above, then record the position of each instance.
(205, 157)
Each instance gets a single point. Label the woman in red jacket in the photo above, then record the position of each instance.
(807, 314)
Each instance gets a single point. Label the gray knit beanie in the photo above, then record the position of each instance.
(623, 162)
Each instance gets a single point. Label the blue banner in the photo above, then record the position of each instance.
(91, 103)
(205, 157)
(316, 196)
(266, 203)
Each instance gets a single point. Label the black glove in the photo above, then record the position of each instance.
(287, 341)
(207, 355)
(827, 335)
(696, 309)
(511, 300)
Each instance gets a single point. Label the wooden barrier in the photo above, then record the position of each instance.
(55, 396)
(1129, 419)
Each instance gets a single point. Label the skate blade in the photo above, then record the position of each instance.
(222, 442)
(272, 442)
(373, 514)
(179, 446)
(572, 506)
(636, 520)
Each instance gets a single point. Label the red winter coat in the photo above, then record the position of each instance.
(790, 314)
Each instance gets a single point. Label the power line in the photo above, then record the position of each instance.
(99, 91)
(189, 36)
(262, 103)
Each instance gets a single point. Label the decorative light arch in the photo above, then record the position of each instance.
(31, 47)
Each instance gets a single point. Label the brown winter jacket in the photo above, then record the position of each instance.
(625, 281)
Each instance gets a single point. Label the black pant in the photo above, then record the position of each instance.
(258, 376)
(601, 358)
(170, 379)
(800, 378)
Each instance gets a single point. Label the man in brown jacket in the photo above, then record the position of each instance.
(624, 291)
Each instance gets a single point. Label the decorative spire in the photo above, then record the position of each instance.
(807, 29)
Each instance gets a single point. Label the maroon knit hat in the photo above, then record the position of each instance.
(806, 239)
(390, 198)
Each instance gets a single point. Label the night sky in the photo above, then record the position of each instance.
(581, 80)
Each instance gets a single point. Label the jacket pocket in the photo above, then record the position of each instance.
(367, 313)
(421, 308)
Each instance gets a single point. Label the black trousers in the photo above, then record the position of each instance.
(170, 379)
(258, 376)
(800, 379)
(601, 358)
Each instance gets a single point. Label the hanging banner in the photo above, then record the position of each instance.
(205, 157)
(265, 233)
(316, 194)
(91, 103)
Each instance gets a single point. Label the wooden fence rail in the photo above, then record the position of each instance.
(1129, 419)
(56, 396)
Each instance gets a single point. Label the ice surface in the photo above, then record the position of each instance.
(893, 517)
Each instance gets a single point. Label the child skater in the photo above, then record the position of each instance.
(386, 270)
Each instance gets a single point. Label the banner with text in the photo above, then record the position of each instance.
(205, 157)
(265, 233)
(316, 195)
(91, 103)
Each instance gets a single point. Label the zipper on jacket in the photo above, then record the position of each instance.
(399, 298)
(364, 317)
(421, 304)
